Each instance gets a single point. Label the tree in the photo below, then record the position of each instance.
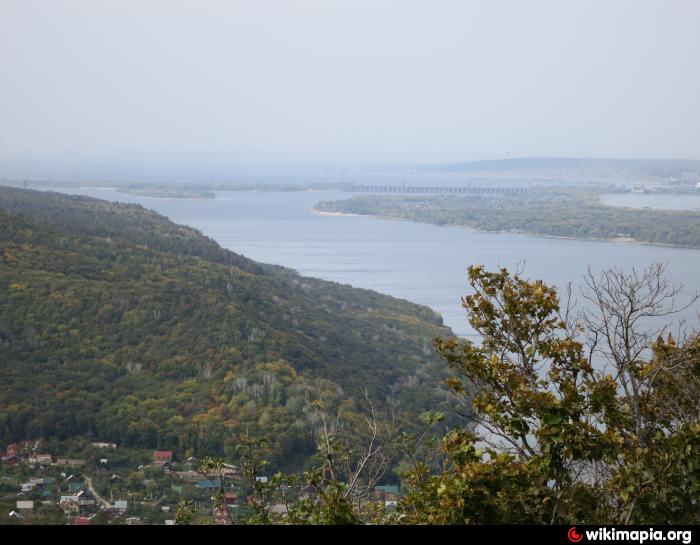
(550, 436)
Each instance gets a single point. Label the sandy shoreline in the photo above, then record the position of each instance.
(322, 213)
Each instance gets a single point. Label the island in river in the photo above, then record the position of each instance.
(163, 193)
(564, 212)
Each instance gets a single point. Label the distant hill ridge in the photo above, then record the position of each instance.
(646, 165)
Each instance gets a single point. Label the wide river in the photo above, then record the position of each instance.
(652, 200)
(419, 262)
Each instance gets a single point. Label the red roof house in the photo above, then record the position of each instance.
(162, 455)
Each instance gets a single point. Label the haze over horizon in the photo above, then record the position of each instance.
(282, 85)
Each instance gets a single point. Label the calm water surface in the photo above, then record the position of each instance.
(419, 262)
(664, 202)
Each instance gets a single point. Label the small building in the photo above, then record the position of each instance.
(25, 506)
(11, 460)
(121, 505)
(99, 444)
(86, 502)
(221, 516)
(69, 462)
(46, 459)
(188, 475)
(387, 493)
(70, 505)
(208, 484)
(81, 521)
(162, 456)
(76, 486)
(229, 471)
(231, 499)
(40, 483)
(279, 509)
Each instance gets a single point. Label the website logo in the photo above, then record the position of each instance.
(573, 535)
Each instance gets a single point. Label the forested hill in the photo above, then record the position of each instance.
(132, 223)
(119, 324)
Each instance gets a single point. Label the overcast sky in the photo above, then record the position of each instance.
(430, 80)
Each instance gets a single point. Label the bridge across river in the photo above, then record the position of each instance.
(437, 190)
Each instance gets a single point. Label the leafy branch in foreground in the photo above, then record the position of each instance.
(571, 416)
(568, 429)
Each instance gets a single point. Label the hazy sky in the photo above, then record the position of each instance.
(429, 80)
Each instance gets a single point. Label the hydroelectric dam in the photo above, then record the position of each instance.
(436, 190)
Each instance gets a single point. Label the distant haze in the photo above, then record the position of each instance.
(332, 83)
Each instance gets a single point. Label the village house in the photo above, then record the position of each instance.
(221, 516)
(86, 501)
(75, 486)
(99, 444)
(229, 471)
(11, 455)
(11, 460)
(162, 456)
(208, 484)
(69, 462)
(45, 459)
(231, 499)
(188, 475)
(70, 505)
(389, 494)
(39, 483)
(25, 506)
(279, 509)
(78, 503)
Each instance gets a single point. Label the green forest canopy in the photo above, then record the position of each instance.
(119, 324)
